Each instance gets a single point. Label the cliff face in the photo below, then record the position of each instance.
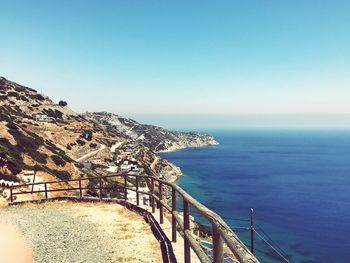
(155, 138)
(64, 137)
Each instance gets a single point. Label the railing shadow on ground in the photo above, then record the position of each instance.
(164, 195)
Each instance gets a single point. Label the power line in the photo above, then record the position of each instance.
(270, 239)
(262, 238)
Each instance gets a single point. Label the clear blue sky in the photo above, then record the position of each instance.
(190, 59)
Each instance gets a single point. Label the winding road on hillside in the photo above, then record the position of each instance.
(90, 154)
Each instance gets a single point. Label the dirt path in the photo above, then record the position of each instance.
(90, 154)
(154, 163)
(66, 232)
(115, 146)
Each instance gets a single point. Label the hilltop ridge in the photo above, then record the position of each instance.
(155, 138)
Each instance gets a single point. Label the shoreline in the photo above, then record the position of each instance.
(174, 148)
(176, 168)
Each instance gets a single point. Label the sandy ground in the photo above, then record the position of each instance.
(79, 232)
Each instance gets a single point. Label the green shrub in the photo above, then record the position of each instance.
(38, 156)
(9, 177)
(37, 97)
(14, 168)
(53, 113)
(13, 94)
(20, 88)
(24, 98)
(61, 175)
(12, 126)
(58, 160)
(80, 142)
(62, 103)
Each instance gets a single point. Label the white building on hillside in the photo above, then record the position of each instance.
(42, 117)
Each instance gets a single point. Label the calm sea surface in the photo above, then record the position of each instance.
(297, 181)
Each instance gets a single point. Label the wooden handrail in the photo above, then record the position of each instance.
(222, 233)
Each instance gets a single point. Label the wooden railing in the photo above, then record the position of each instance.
(221, 232)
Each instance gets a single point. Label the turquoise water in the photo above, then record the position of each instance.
(297, 181)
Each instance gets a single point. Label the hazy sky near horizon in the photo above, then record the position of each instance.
(185, 58)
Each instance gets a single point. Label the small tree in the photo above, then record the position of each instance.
(62, 103)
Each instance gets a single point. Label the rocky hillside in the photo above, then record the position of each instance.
(22, 145)
(153, 137)
(37, 132)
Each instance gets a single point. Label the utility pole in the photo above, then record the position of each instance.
(252, 230)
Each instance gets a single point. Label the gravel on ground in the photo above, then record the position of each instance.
(82, 232)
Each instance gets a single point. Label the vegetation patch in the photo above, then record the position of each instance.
(8, 177)
(13, 94)
(58, 160)
(25, 144)
(37, 97)
(53, 113)
(80, 142)
(61, 175)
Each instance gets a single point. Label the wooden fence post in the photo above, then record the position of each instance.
(152, 198)
(11, 195)
(100, 188)
(173, 208)
(186, 219)
(252, 230)
(160, 203)
(137, 191)
(125, 185)
(217, 245)
(45, 190)
(80, 190)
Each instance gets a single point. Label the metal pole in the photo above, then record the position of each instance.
(173, 208)
(252, 230)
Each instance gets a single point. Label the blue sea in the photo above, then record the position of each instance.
(297, 181)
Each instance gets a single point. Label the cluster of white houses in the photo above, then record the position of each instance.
(123, 166)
